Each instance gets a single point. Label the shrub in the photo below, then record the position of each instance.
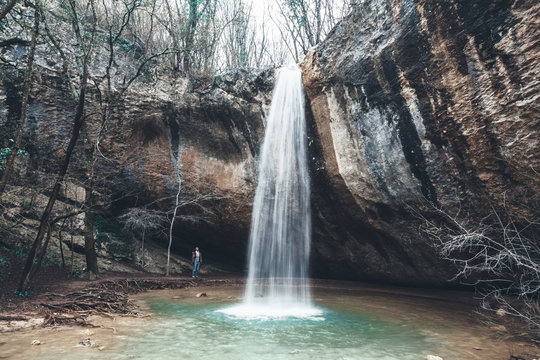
(112, 237)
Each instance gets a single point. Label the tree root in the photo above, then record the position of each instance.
(91, 301)
(108, 298)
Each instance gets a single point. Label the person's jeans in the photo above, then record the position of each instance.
(196, 266)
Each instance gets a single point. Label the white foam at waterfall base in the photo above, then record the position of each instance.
(273, 311)
(280, 237)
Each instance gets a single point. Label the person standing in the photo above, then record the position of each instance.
(196, 261)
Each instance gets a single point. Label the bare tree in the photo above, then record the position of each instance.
(173, 218)
(192, 21)
(85, 51)
(304, 23)
(190, 205)
(500, 256)
(200, 210)
(238, 37)
(141, 220)
(107, 102)
(184, 29)
(111, 89)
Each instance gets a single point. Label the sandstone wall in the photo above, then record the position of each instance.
(419, 104)
(159, 133)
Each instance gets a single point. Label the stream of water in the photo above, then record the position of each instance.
(280, 236)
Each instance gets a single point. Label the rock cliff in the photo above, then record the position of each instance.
(160, 136)
(416, 106)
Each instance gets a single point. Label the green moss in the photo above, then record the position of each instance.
(21, 294)
(19, 252)
(4, 154)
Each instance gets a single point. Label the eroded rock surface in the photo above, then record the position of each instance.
(160, 136)
(417, 104)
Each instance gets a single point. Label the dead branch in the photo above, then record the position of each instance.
(499, 254)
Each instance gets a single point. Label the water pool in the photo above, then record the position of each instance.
(353, 324)
(187, 331)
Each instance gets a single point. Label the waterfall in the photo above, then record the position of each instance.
(281, 221)
(278, 284)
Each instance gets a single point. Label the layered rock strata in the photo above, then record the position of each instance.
(417, 106)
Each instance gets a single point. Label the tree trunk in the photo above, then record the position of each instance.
(72, 251)
(89, 239)
(190, 37)
(43, 226)
(61, 245)
(24, 105)
(43, 251)
(175, 59)
(170, 242)
(89, 200)
(172, 224)
(7, 8)
(142, 247)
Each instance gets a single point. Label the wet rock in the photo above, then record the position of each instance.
(87, 342)
(36, 342)
(202, 294)
(215, 132)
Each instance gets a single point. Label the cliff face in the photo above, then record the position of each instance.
(418, 105)
(209, 140)
(160, 136)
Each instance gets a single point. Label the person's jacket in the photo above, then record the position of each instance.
(193, 257)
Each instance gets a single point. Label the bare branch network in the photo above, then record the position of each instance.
(496, 254)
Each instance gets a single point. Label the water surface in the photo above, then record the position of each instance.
(355, 323)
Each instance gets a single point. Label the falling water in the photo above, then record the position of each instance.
(281, 221)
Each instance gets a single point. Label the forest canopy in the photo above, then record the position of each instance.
(188, 36)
